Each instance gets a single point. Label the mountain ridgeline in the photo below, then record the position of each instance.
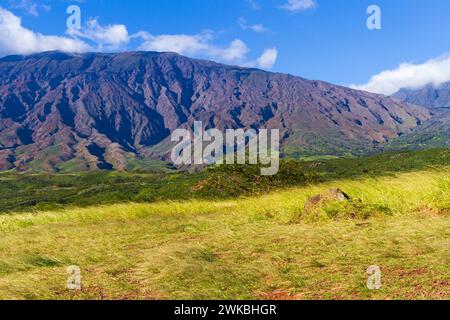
(65, 112)
(434, 132)
(429, 96)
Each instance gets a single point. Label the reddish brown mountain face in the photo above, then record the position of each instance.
(61, 111)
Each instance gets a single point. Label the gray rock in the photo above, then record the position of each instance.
(329, 195)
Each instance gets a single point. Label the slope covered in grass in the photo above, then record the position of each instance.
(258, 247)
(37, 192)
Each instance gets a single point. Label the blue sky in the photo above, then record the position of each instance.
(315, 39)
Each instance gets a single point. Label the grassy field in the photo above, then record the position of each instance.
(260, 246)
(43, 192)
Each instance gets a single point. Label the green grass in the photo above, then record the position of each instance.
(36, 192)
(21, 192)
(140, 165)
(253, 247)
(232, 181)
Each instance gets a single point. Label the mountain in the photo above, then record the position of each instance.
(429, 96)
(65, 112)
(436, 131)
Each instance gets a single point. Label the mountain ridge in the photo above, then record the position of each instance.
(61, 111)
(436, 131)
(430, 96)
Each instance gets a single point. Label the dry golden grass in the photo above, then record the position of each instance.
(264, 247)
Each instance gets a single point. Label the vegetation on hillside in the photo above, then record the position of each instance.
(260, 247)
(19, 192)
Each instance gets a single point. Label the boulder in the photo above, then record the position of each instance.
(329, 195)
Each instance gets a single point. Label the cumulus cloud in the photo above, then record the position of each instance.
(299, 5)
(410, 76)
(199, 45)
(179, 43)
(110, 36)
(266, 61)
(268, 58)
(237, 50)
(15, 39)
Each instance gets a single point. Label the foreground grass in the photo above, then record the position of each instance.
(257, 248)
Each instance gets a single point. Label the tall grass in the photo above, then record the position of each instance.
(264, 246)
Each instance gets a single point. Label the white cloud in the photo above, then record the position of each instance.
(412, 76)
(258, 28)
(266, 61)
(299, 5)
(255, 27)
(111, 36)
(236, 51)
(180, 43)
(201, 46)
(15, 39)
(195, 45)
(268, 58)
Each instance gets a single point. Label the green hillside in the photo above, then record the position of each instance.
(188, 236)
(19, 192)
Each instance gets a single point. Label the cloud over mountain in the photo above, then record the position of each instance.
(16, 39)
(195, 45)
(111, 36)
(409, 76)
